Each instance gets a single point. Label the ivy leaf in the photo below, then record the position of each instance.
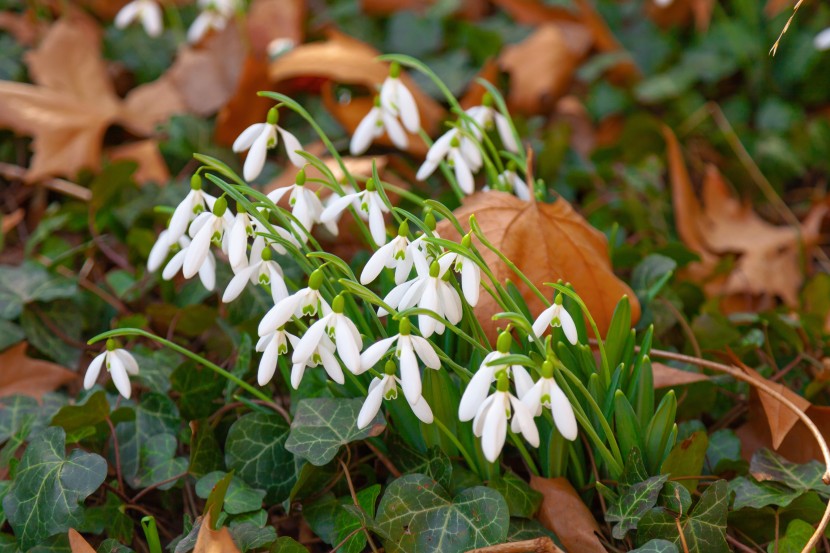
(420, 517)
(286, 544)
(633, 504)
(522, 500)
(768, 465)
(205, 455)
(322, 425)
(10, 334)
(434, 463)
(522, 529)
(758, 495)
(656, 546)
(159, 463)
(156, 367)
(46, 495)
(94, 410)
(795, 538)
(239, 498)
(704, 528)
(249, 536)
(255, 449)
(15, 411)
(347, 520)
(198, 387)
(675, 497)
(724, 452)
(156, 414)
(29, 283)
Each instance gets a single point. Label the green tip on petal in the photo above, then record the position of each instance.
(273, 116)
(466, 241)
(266, 254)
(376, 102)
(370, 185)
(512, 165)
(503, 384)
(434, 269)
(220, 207)
(404, 327)
(547, 369)
(111, 345)
(504, 341)
(315, 280)
(395, 70)
(196, 182)
(338, 304)
(390, 367)
(300, 180)
(403, 228)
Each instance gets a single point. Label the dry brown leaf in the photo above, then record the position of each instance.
(542, 66)
(669, 377)
(564, 513)
(774, 7)
(214, 541)
(26, 27)
(21, 374)
(768, 263)
(269, 20)
(11, 220)
(151, 164)
(245, 108)
(77, 543)
(547, 242)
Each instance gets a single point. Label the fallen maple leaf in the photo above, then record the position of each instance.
(77, 543)
(151, 164)
(213, 541)
(547, 242)
(564, 513)
(670, 377)
(21, 374)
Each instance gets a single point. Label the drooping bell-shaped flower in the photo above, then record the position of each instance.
(468, 269)
(261, 137)
(322, 354)
(213, 17)
(119, 363)
(192, 205)
(398, 254)
(148, 12)
(486, 117)
(262, 270)
(340, 329)
(370, 207)
(478, 388)
(306, 207)
(490, 422)
(207, 227)
(556, 315)
(397, 99)
(307, 301)
(207, 271)
(387, 388)
(272, 345)
(547, 393)
(462, 155)
(377, 121)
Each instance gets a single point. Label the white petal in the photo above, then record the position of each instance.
(470, 281)
(94, 370)
(471, 153)
(370, 357)
(197, 252)
(522, 380)
(371, 406)
(292, 146)
(297, 371)
(568, 326)
(347, 347)
(395, 131)
(563, 413)
(181, 217)
(410, 373)
(207, 273)
(542, 322)
(127, 14)
(376, 224)
(425, 351)
(277, 194)
(408, 109)
(422, 410)
(524, 421)
(426, 169)
(128, 360)
(268, 363)
(462, 173)
(256, 155)
(174, 265)
(238, 242)
(309, 341)
(119, 375)
(495, 430)
(332, 366)
(238, 282)
(364, 133)
(159, 251)
(376, 263)
(151, 19)
(822, 40)
(476, 391)
(451, 302)
(278, 315)
(506, 133)
(199, 221)
(393, 298)
(481, 415)
(532, 398)
(278, 289)
(441, 147)
(336, 207)
(429, 301)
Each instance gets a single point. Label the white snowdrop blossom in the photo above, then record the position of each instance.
(272, 345)
(214, 16)
(148, 12)
(821, 41)
(409, 348)
(546, 393)
(261, 270)
(510, 180)
(370, 206)
(207, 227)
(478, 388)
(486, 118)
(469, 270)
(397, 99)
(261, 137)
(159, 251)
(192, 205)
(387, 388)
(377, 121)
(399, 254)
(207, 271)
(323, 354)
(119, 362)
(340, 329)
(305, 206)
(241, 228)
(490, 422)
(306, 301)
(556, 315)
(279, 46)
(460, 152)
(428, 291)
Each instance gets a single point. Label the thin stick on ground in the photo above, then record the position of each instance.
(538, 545)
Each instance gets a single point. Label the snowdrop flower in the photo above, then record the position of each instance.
(279, 46)
(192, 205)
(469, 269)
(207, 227)
(322, 354)
(341, 329)
(241, 228)
(305, 205)
(207, 271)
(510, 181)
(556, 315)
(387, 388)
(478, 388)
(370, 206)
(373, 125)
(119, 362)
(408, 350)
(462, 155)
(261, 137)
(272, 345)
(486, 117)
(429, 291)
(399, 254)
(822, 40)
(490, 422)
(159, 251)
(147, 11)
(397, 99)
(307, 301)
(214, 16)
(547, 393)
(262, 270)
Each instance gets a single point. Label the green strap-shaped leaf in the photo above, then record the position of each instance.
(633, 504)
(419, 516)
(322, 425)
(46, 495)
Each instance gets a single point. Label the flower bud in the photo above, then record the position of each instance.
(394, 70)
(404, 327)
(273, 116)
(315, 280)
(300, 180)
(220, 206)
(196, 182)
(504, 341)
(338, 304)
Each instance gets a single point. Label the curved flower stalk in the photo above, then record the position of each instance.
(386, 387)
(462, 155)
(399, 254)
(341, 329)
(213, 17)
(207, 270)
(261, 137)
(546, 393)
(408, 349)
(207, 227)
(556, 315)
(493, 414)
(478, 388)
(119, 363)
(307, 301)
(306, 207)
(148, 12)
(262, 270)
(370, 206)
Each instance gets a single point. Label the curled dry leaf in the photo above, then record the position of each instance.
(768, 264)
(30, 377)
(547, 242)
(213, 541)
(564, 513)
(669, 377)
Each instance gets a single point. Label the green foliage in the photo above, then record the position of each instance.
(30, 283)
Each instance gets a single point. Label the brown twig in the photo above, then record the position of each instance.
(14, 172)
(738, 545)
(148, 489)
(356, 504)
(393, 470)
(537, 545)
(117, 455)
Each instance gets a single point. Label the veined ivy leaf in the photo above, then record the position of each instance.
(656, 546)
(347, 521)
(198, 387)
(704, 528)
(724, 451)
(255, 449)
(768, 465)
(27, 283)
(522, 500)
(322, 425)
(795, 538)
(248, 536)
(46, 495)
(159, 462)
(675, 497)
(522, 529)
(240, 498)
(633, 504)
(10, 334)
(205, 454)
(15, 411)
(156, 414)
(434, 463)
(156, 367)
(93, 411)
(113, 546)
(760, 494)
(420, 517)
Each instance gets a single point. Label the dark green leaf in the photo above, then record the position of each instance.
(110, 518)
(633, 504)
(10, 334)
(28, 283)
(434, 463)
(686, 459)
(159, 462)
(346, 521)
(285, 544)
(205, 455)
(113, 546)
(675, 497)
(255, 450)
(522, 529)
(248, 536)
(756, 495)
(156, 414)
(522, 500)
(239, 498)
(94, 410)
(198, 388)
(656, 546)
(768, 465)
(724, 452)
(38, 325)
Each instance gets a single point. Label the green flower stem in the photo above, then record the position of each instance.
(456, 443)
(184, 351)
(403, 193)
(461, 334)
(531, 464)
